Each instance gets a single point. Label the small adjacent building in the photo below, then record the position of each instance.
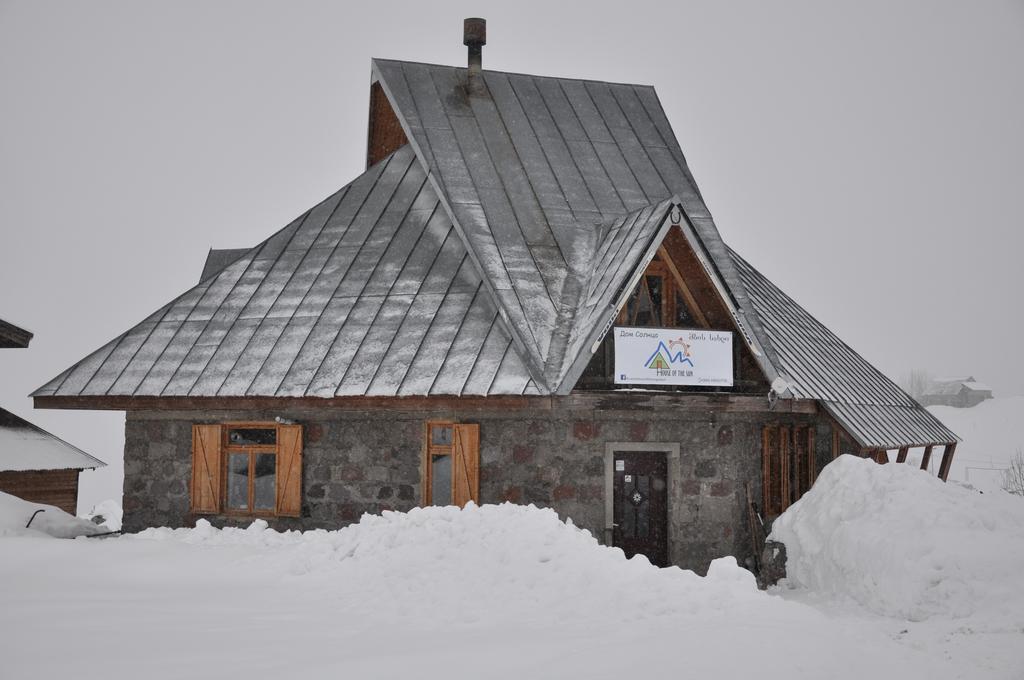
(34, 464)
(958, 392)
(523, 298)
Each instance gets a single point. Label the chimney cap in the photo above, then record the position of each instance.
(474, 32)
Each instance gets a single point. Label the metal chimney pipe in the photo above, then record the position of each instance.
(474, 36)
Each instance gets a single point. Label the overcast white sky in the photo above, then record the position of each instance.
(867, 156)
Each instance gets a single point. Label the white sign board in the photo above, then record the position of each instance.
(673, 356)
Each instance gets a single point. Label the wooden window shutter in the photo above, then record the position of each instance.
(466, 464)
(812, 458)
(784, 448)
(206, 465)
(769, 472)
(289, 470)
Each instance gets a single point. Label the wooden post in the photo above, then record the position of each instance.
(835, 442)
(947, 461)
(927, 457)
(901, 457)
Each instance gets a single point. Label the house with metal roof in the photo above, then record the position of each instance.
(34, 464)
(959, 392)
(523, 298)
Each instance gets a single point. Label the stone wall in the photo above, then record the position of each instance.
(369, 461)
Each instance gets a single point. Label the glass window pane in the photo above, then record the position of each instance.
(441, 480)
(441, 435)
(264, 476)
(654, 287)
(683, 318)
(238, 481)
(247, 436)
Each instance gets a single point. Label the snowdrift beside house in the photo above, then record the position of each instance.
(15, 513)
(439, 564)
(507, 592)
(901, 543)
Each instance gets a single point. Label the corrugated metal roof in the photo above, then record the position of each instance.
(625, 250)
(534, 174)
(818, 365)
(368, 293)
(483, 258)
(218, 259)
(24, 446)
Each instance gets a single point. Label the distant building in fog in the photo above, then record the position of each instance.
(959, 392)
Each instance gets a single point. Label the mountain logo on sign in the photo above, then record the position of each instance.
(664, 358)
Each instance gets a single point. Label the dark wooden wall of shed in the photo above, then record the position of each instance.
(53, 487)
(385, 134)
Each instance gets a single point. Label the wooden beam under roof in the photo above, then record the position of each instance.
(927, 457)
(947, 461)
(712, 402)
(684, 289)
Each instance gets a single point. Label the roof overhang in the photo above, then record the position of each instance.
(589, 401)
(13, 337)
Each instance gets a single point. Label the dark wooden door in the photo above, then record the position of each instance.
(641, 504)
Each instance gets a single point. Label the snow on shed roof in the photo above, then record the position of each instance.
(24, 446)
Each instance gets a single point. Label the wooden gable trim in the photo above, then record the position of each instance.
(384, 132)
(684, 290)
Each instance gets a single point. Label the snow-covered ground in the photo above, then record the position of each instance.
(512, 592)
(992, 432)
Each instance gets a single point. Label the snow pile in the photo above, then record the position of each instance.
(107, 514)
(434, 592)
(15, 513)
(901, 543)
(439, 564)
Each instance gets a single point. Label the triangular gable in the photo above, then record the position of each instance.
(627, 249)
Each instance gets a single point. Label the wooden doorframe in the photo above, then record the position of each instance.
(671, 451)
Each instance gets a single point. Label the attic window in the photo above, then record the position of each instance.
(657, 301)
